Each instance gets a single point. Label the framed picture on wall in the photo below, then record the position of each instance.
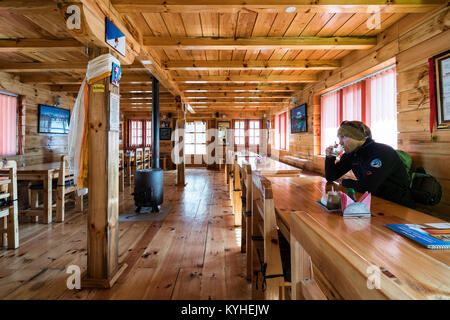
(53, 120)
(164, 124)
(165, 133)
(299, 119)
(442, 89)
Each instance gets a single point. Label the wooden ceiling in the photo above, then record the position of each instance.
(214, 56)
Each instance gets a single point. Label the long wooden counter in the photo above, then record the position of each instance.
(334, 257)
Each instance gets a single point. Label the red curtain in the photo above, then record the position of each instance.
(8, 125)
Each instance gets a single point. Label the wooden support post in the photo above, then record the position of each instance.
(181, 166)
(103, 226)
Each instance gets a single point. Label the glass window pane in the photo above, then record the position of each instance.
(200, 149)
(201, 138)
(241, 132)
(190, 126)
(189, 149)
(189, 138)
(257, 124)
(252, 140)
(241, 140)
(236, 140)
(200, 126)
(252, 124)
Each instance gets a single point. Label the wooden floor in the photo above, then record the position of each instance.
(193, 254)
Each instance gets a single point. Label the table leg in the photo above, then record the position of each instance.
(129, 172)
(79, 202)
(47, 214)
(60, 203)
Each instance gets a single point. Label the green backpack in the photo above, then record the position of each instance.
(424, 187)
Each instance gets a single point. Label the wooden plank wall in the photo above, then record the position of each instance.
(39, 148)
(409, 43)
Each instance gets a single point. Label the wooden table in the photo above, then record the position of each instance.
(343, 253)
(44, 172)
(268, 166)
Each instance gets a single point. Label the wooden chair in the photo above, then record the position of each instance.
(121, 171)
(64, 185)
(138, 159)
(266, 253)
(9, 207)
(147, 158)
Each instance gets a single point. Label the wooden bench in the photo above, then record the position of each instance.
(9, 211)
(265, 248)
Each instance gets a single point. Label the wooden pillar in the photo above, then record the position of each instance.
(155, 122)
(212, 143)
(103, 226)
(181, 166)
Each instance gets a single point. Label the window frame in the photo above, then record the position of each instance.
(364, 103)
(146, 140)
(281, 116)
(18, 138)
(195, 133)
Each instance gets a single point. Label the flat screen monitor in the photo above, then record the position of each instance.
(53, 120)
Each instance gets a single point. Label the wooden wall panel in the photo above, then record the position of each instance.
(39, 148)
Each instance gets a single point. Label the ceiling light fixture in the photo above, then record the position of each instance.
(290, 9)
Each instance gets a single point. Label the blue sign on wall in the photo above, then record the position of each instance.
(115, 38)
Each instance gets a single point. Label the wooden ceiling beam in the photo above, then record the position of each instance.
(199, 65)
(144, 106)
(216, 95)
(231, 100)
(60, 66)
(77, 79)
(322, 6)
(27, 6)
(124, 88)
(235, 87)
(146, 95)
(259, 43)
(143, 101)
(239, 78)
(244, 104)
(27, 45)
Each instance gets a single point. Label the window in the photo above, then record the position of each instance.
(247, 132)
(148, 133)
(140, 133)
(8, 125)
(371, 100)
(239, 132)
(195, 137)
(253, 132)
(281, 131)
